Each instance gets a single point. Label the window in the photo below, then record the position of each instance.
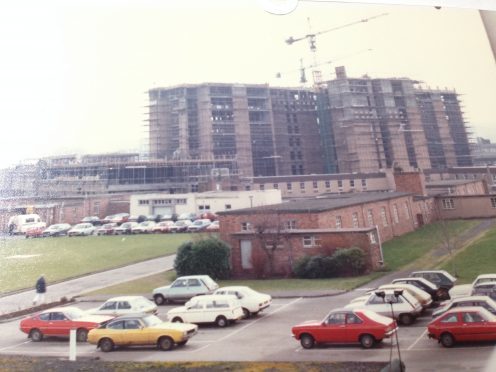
(289, 186)
(354, 218)
(339, 222)
(384, 216)
(472, 318)
(452, 318)
(291, 224)
(109, 306)
(262, 187)
(143, 202)
(328, 184)
(352, 184)
(227, 206)
(315, 184)
(407, 211)
(448, 204)
(245, 226)
(340, 185)
(45, 316)
(193, 283)
(370, 217)
(116, 325)
(395, 214)
(372, 237)
(337, 318)
(124, 305)
(302, 185)
(132, 324)
(180, 283)
(353, 319)
(364, 183)
(311, 241)
(276, 186)
(96, 208)
(58, 316)
(493, 202)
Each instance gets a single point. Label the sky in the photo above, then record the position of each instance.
(74, 75)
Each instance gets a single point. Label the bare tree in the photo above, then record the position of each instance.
(448, 239)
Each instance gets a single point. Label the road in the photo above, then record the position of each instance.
(267, 337)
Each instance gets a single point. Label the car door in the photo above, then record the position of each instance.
(44, 324)
(196, 312)
(354, 327)
(60, 325)
(333, 329)
(124, 307)
(117, 332)
(178, 290)
(135, 333)
(195, 288)
(473, 327)
(108, 308)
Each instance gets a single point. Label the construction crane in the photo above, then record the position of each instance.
(312, 40)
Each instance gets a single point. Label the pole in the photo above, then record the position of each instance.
(72, 345)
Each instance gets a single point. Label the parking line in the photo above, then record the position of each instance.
(12, 346)
(417, 340)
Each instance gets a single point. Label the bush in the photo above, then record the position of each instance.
(343, 262)
(204, 257)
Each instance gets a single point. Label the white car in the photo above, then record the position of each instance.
(466, 289)
(199, 225)
(82, 229)
(219, 309)
(125, 305)
(143, 227)
(482, 301)
(405, 307)
(180, 226)
(185, 288)
(252, 302)
(58, 229)
(423, 297)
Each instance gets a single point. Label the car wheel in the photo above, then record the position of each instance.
(182, 343)
(307, 341)
(159, 299)
(221, 321)
(447, 340)
(165, 343)
(406, 319)
(367, 341)
(246, 313)
(82, 335)
(106, 345)
(177, 320)
(36, 335)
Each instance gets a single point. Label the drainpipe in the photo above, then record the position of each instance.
(381, 262)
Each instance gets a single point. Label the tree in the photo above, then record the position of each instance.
(448, 237)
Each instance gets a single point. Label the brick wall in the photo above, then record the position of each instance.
(413, 182)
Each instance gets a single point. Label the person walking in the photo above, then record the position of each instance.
(40, 287)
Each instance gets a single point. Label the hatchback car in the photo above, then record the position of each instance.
(213, 227)
(141, 329)
(423, 297)
(125, 305)
(466, 289)
(221, 310)
(125, 228)
(344, 326)
(482, 301)
(404, 306)
(199, 225)
(163, 227)
(94, 220)
(180, 226)
(184, 288)
(437, 294)
(485, 289)
(58, 229)
(58, 322)
(463, 324)
(441, 278)
(82, 229)
(144, 227)
(34, 232)
(251, 301)
(106, 229)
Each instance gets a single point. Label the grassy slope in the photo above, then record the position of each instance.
(60, 258)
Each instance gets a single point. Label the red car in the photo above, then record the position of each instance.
(35, 232)
(59, 321)
(463, 324)
(106, 229)
(344, 326)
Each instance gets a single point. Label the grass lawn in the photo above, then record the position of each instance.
(23, 260)
(478, 258)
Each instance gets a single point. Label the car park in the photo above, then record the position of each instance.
(184, 288)
(213, 227)
(34, 232)
(485, 289)
(403, 306)
(125, 305)
(59, 229)
(421, 296)
(163, 227)
(82, 229)
(482, 301)
(106, 229)
(125, 228)
(344, 326)
(466, 289)
(463, 324)
(252, 302)
(141, 329)
(437, 294)
(94, 220)
(199, 225)
(59, 321)
(180, 226)
(441, 278)
(219, 309)
(144, 227)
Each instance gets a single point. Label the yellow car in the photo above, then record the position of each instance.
(141, 329)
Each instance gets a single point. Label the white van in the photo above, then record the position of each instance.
(21, 223)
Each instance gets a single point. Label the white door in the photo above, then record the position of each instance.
(246, 262)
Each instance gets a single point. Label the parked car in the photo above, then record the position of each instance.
(19, 224)
(405, 307)
(252, 302)
(180, 226)
(140, 218)
(34, 232)
(154, 217)
(441, 278)
(169, 217)
(163, 227)
(208, 216)
(465, 289)
(58, 321)
(482, 301)
(187, 216)
(125, 305)
(463, 324)
(106, 229)
(485, 289)
(423, 297)
(344, 326)
(119, 218)
(94, 220)
(221, 310)
(58, 229)
(213, 227)
(125, 228)
(437, 294)
(82, 229)
(184, 288)
(141, 329)
(143, 227)
(199, 225)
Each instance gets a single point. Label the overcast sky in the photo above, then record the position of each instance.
(73, 78)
